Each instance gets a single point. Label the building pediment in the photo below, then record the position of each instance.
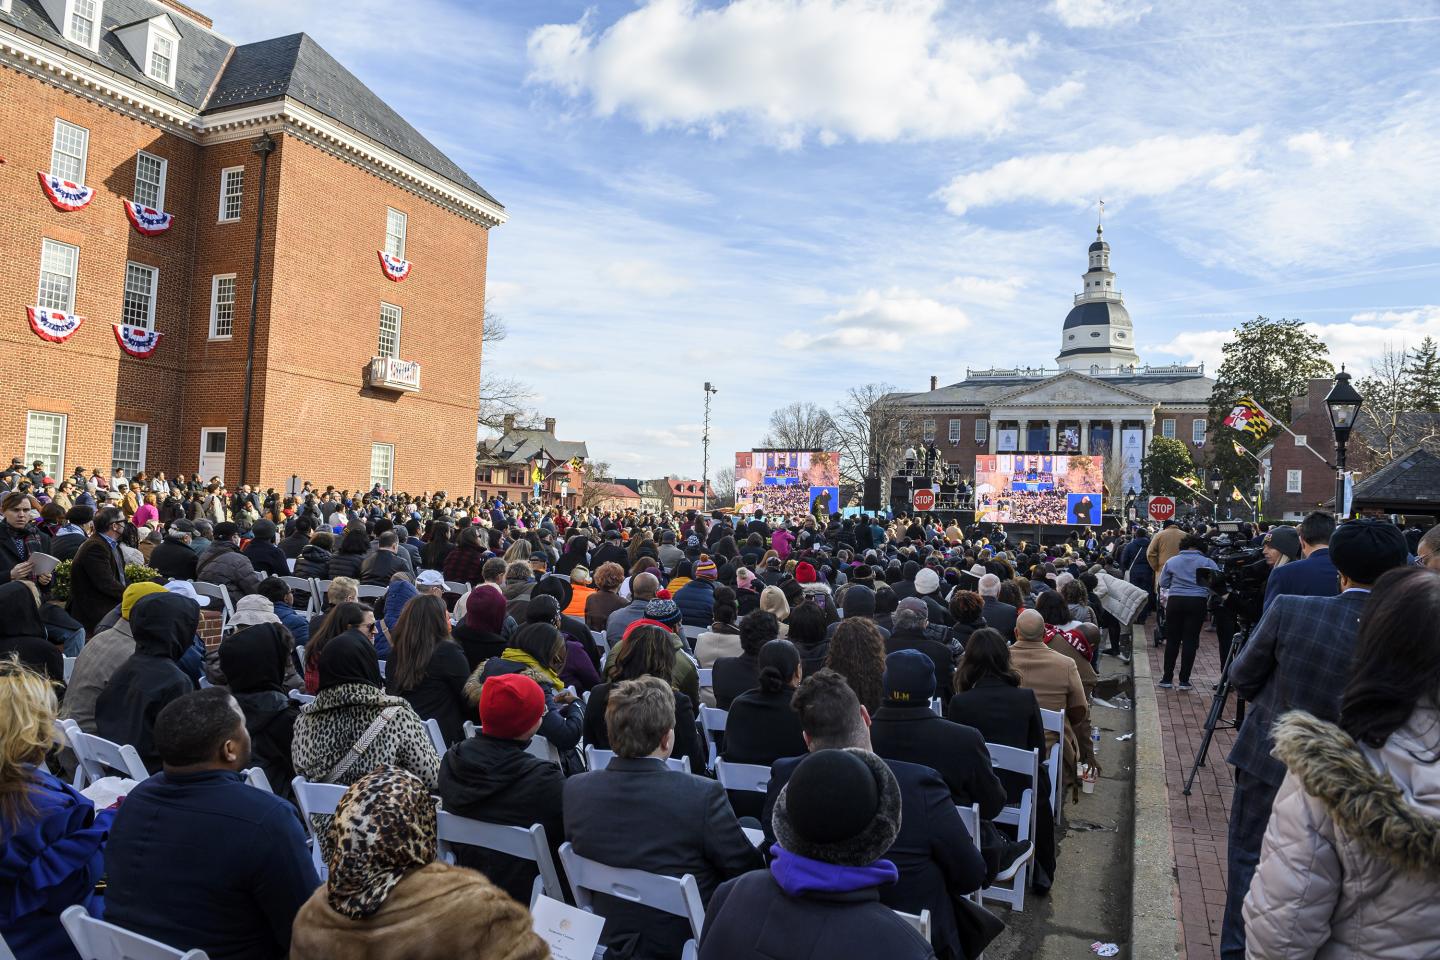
(1070, 389)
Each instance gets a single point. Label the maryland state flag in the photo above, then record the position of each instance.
(1235, 494)
(536, 475)
(1240, 451)
(1249, 417)
(575, 463)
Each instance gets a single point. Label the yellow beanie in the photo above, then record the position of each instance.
(133, 593)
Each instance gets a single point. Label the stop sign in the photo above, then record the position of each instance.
(923, 499)
(1162, 508)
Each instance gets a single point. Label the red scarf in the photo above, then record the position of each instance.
(1075, 638)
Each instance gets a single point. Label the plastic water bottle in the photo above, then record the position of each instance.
(1095, 739)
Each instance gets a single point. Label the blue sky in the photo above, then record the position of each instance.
(791, 197)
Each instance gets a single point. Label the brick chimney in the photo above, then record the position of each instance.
(934, 382)
(550, 425)
(509, 422)
(189, 13)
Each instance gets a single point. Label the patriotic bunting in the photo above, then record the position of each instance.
(52, 325)
(136, 341)
(65, 195)
(395, 268)
(1247, 416)
(147, 221)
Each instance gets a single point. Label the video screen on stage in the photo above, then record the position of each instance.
(787, 481)
(1043, 488)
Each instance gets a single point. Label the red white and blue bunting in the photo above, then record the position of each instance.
(147, 221)
(395, 268)
(137, 341)
(52, 325)
(65, 195)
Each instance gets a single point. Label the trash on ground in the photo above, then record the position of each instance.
(1126, 736)
(1104, 949)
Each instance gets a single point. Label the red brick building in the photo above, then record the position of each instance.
(286, 178)
(510, 465)
(677, 496)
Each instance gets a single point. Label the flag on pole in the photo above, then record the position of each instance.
(1247, 416)
(1235, 494)
(536, 476)
(1186, 482)
(1240, 450)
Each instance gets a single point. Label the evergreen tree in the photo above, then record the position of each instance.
(1168, 459)
(1422, 377)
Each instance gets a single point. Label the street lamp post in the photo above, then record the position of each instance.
(1344, 402)
(1215, 493)
(1259, 492)
(705, 468)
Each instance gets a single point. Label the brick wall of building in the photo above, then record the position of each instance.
(1310, 419)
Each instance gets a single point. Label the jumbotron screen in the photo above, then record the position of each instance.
(788, 482)
(1043, 488)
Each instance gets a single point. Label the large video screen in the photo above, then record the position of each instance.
(789, 482)
(1044, 488)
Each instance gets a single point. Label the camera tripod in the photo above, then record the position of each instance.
(1217, 706)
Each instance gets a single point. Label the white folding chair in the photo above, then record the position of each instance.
(290, 564)
(1054, 722)
(301, 697)
(691, 633)
(69, 668)
(216, 592)
(526, 843)
(95, 755)
(537, 747)
(1021, 817)
(437, 739)
(256, 778)
(98, 940)
(306, 586)
(322, 590)
(459, 589)
(970, 816)
(921, 923)
(368, 591)
(754, 777)
(937, 706)
(5, 951)
(316, 799)
(677, 896)
(706, 675)
(713, 719)
(597, 759)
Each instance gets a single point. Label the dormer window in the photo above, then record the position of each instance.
(84, 22)
(162, 59)
(154, 45)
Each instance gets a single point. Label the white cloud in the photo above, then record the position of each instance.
(1099, 13)
(866, 70)
(643, 277)
(1146, 168)
(886, 321)
(985, 289)
(677, 437)
(1061, 95)
(1320, 148)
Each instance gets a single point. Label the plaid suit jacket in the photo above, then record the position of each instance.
(1298, 658)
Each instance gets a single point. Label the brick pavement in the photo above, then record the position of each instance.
(1197, 822)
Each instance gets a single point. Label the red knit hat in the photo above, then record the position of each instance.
(510, 704)
(804, 573)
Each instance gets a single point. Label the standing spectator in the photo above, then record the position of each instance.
(1185, 607)
(388, 897)
(1350, 864)
(857, 653)
(1315, 575)
(20, 538)
(198, 858)
(427, 668)
(637, 814)
(97, 575)
(163, 625)
(51, 836)
(491, 777)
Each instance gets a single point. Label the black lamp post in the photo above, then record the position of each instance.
(1215, 492)
(1344, 402)
(1134, 507)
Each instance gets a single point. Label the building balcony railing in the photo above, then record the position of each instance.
(392, 373)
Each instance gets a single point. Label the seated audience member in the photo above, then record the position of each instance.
(967, 610)
(352, 724)
(774, 602)
(646, 651)
(427, 668)
(732, 676)
(164, 625)
(263, 553)
(578, 671)
(605, 600)
(173, 559)
(101, 656)
(934, 853)
(808, 633)
(341, 590)
(224, 564)
(857, 653)
(282, 604)
(255, 661)
(398, 593)
(538, 651)
(910, 633)
(491, 777)
(198, 858)
(820, 897)
(636, 813)
(1055, 678)
(51, 836)
(344, 616)
(696, 599)
(480, 631)
(1063, 635)
(762, 726)
(313, 561)
(723, 637)
(22, 631)
(388, 897)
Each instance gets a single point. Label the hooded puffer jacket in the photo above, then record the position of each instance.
(1350, 867)
(163, 625)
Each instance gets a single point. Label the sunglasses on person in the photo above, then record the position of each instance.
(368, 628)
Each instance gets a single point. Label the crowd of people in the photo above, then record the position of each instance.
(830, 642)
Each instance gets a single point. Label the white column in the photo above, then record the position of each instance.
(990, 435)
(1022, 442)
(1054, 434)
(1149, 433)
(1084, 436)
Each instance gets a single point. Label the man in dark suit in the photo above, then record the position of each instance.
(1315, 575)
(382, 563)
(636, 813)
(998, 614)
(934, 852)
(97, 574)
(1298, 658)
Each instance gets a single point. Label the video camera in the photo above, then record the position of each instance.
(1240, 581)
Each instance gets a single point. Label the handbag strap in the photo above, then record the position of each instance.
(361, 745)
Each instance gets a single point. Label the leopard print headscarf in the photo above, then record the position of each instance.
(384, 828)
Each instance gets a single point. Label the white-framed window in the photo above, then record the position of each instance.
(904, 428)
(1197, 432)
(382, 464)
(162, 59)
(1292, 481)
(45, 439)
(141, 284)
(150, 180)
(927, 430)
(127, 447)
(390, 316)
(954, 429)
(232, 193)
(59, 263)
(84, 24)
(395, 225)
(1167, 428)
(68, 151)
(1300, 439)
(222, 306)
(982, 429)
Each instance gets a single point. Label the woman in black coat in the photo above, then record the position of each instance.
(732, 676)
(22, 632)
(20, 537)
(762, 727)
(347, 561)
(427, 668)
(646, 652)
(254, 661)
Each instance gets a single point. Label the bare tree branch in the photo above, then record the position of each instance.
(868, 429)
(501, 396)
(800, 426)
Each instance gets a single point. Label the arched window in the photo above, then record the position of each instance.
(1094, 369)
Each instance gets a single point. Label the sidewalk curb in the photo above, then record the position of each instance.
(1154, 929)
